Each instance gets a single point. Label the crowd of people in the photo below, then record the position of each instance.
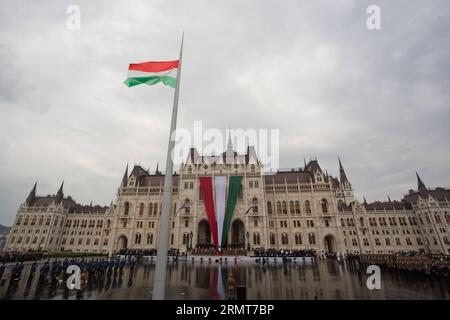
(261, 252)
(437, 265)
(138, 254)
(7, 257)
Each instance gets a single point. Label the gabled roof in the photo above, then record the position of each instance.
(288, 176)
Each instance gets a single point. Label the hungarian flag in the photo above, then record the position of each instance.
(153, 72)
(220, 204)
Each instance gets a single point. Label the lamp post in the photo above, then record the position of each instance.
(248, 233)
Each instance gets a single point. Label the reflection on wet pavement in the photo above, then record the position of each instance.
(210, 281)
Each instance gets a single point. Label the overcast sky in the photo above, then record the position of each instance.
(379, 99)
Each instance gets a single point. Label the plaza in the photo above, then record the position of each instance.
(210, 280)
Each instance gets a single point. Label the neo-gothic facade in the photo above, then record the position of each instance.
(297, 209)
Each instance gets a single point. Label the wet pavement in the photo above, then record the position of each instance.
(209, 280)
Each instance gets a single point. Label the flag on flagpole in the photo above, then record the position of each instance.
(153, 72)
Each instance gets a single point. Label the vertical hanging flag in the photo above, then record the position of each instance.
(220, 185)
(234, 188)
(206, 187)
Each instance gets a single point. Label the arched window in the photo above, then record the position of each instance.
(150, 238)
(241, 192)
(324, 206)
(200, 193)
(269, 207)
(256, 239)
(361, 222)
(41, 221)
(137, 239)
(33, 220)
(284, 207)
(312, 238)
(150, 209)
(340, 205)
(291, 207)
(298, 238)
(272, 239)
(307, 207)
(189, 170)
(284, 239)
(278, 207)
(155, 209)
(187, 208)
(126, 208)
(437, 218)
(47, 223)
(255, 205)
(141, 209)
(252, 168)
(342, 223)
(297, 207)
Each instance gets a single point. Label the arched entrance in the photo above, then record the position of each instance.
(330, 244)
(238, 234)
(122, 243)
(204, 233)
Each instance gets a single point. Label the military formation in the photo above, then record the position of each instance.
(437, 265)
(52, 273)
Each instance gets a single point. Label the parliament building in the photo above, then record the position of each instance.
(301, 208)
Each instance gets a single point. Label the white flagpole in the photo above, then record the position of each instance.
(159, 283)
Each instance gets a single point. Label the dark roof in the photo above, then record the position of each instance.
(47, 201)
(79, 208)
(289, 177)
(312, 166)
(440, 194)
(388, 205)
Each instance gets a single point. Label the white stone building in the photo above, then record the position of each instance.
(303, 208)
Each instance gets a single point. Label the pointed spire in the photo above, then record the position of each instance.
(230, 142)
(343, 176)
(389, 199)
(32, 195)
(60, 194)
(90, 205)
(304, 163)
(157, 172)
(420, 183)
(365, 201)
(125, 177)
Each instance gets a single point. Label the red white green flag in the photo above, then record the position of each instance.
(153, 72)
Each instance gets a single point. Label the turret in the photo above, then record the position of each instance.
(60, 194)
(342, 177)
(125, 177)
(32, 195)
